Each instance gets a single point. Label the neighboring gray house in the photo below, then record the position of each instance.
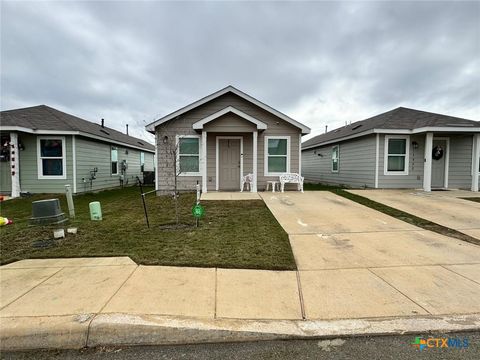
(402, 148)
(43, 149)
(222, 137)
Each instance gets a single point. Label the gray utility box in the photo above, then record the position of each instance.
(46, 212)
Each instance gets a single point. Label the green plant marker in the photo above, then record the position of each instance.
(198, 211)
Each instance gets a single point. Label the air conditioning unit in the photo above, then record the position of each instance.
(46, 212)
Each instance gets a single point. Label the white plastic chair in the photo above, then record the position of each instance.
(247, 179)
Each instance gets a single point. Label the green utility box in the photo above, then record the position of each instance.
(95, 211)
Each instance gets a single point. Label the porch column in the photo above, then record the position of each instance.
(204, 161)
(427, 166)
(253, 188)
(475, 161)
(14, 164)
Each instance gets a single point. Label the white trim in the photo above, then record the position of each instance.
(337, 158)
(427, 166)
(14, 167)
(40, 175)
(475, 161)
(407, 155)
(177, 139)
(265, 160)
(217, 158)
(74, 161)
(255, 161)
(199, 124)
(459, 129)
(69, 132)
(203, 161)
(151, 127)
(155, 162)
(429, 129)
(447, 159)
(300, 154)
(377, 155)
(111, 160)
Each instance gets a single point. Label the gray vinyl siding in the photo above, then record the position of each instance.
(229, 123)
(460, 163)
(91, 154)
(5, 178)
(414, 179)
(29, 180)
(357, 167)
(226, 125)
(356, 163)
(149, 164)
(460, 169)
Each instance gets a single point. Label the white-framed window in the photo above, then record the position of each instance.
(277, 155)
(142, 161)
(114, 160)
(188, 155)
(51, 159)
(396, 154)
(335, 158)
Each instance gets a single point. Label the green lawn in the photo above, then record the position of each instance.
(233, 234)
(401, 215)
(476, 199)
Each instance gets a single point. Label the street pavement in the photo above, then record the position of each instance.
(359, 348)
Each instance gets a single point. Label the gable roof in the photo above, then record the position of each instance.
(229, 109)
(399, 120)
(151, 127)
(43, 119)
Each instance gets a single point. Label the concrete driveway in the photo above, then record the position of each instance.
(442, 207)
(357, 262)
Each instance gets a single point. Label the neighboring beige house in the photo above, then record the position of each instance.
(222, 137)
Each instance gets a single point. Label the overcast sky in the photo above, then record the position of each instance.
(319, 62)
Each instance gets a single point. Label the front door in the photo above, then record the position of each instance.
(439, 154)
(229, 164)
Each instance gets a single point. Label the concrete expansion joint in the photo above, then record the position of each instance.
(87, 337)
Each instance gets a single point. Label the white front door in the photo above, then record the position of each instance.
(439, 156)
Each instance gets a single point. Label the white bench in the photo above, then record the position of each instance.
(291, 178)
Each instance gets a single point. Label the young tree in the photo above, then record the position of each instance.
(168, 163)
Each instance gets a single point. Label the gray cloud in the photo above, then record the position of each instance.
(321, 62)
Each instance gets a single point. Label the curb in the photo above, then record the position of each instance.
(75, 332)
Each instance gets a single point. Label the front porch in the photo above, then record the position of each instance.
(230, 195)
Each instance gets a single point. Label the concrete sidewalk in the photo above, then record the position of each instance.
(72, 303)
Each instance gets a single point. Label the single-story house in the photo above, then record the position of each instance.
(44, 149)
(220, 138)
(402, 148)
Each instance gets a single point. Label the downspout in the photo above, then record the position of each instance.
(475, 161)
(377, 153)
(74, 161)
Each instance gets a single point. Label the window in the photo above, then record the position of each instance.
(189, 155)
(142, 161)
(277, 155)
(396, 155)
(51, 158)
(114, 160)
(335, 158)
